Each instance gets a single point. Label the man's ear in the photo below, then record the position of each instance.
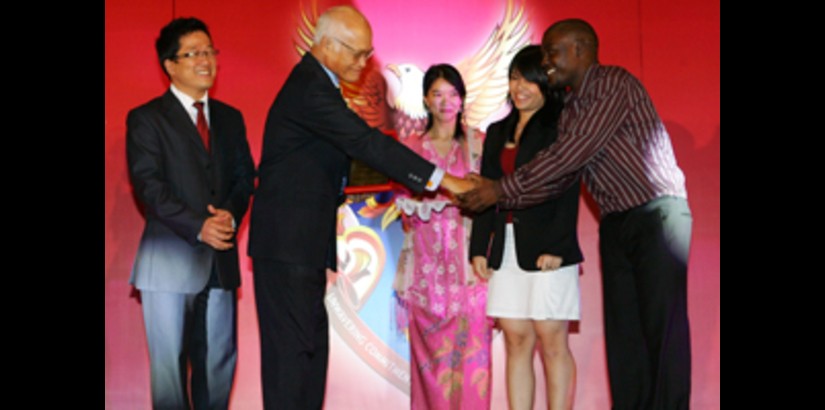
(169, 65)
(326, 43)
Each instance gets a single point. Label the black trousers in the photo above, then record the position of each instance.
(294, 331)
(644, 282)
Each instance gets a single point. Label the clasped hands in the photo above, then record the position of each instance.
(473, 192)
(217, 230)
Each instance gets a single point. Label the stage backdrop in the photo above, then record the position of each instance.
(671, 45)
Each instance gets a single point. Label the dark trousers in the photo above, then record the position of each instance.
(294, 333)
(644, 282)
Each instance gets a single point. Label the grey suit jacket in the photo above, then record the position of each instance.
(174, 179)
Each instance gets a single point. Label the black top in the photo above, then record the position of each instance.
(549, 227)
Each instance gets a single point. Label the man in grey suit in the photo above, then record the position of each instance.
(192, 172)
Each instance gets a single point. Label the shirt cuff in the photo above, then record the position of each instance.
(435, 179)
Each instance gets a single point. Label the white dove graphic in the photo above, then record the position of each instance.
(406, 97)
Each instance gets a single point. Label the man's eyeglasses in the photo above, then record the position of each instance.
(365, 54)
(197, 54)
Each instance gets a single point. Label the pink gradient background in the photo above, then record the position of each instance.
(671, 45)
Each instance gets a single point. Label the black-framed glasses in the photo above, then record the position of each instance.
(358, 54)
(209, 53)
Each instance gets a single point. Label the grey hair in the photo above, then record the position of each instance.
(327, 24)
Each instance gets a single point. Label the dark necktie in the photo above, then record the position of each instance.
(203, 128)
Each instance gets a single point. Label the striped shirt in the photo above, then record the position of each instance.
(611, 136)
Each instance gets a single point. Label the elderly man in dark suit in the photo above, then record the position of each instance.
(193, 174)
(309, 138)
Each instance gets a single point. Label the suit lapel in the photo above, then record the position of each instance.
(219, 137)
(535, 137)
(182, 124)
(526, 145)
(505, 130)
(314, 66)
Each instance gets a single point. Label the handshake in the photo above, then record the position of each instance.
(473, 192)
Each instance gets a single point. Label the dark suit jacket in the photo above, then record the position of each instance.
(549, 227)
(175, 178)
(309, 138)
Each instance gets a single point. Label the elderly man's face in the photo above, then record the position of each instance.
(349, 57)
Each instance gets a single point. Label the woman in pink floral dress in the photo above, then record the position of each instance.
(443, 301)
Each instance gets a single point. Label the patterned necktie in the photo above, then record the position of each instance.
(203, 129)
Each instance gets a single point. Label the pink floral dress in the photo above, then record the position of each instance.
(442, 301)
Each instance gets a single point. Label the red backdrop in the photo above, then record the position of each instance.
(671, 45)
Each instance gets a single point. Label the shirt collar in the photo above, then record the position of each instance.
(186, 100)
(332, 76)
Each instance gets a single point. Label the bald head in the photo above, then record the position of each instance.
(343, 42)
(338, 20)
(580, 31)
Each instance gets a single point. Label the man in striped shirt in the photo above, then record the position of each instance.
(611, 136)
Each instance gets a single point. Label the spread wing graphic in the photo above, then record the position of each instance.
(400, 106)
(484, 74)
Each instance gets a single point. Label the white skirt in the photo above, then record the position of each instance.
(538, 295)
